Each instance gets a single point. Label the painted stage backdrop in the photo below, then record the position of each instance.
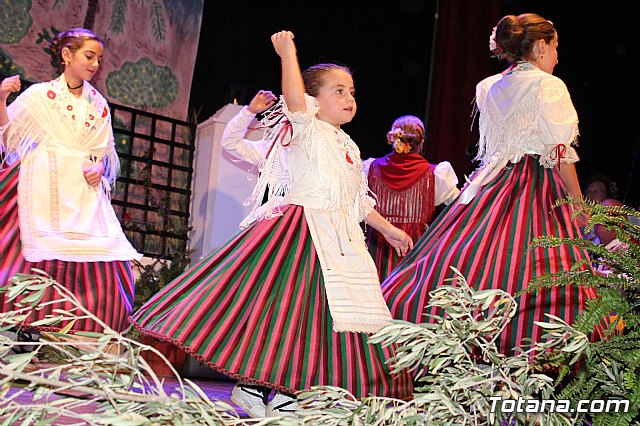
(150, 46)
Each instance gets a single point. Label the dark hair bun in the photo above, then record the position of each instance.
(516, 35)
(509, 35)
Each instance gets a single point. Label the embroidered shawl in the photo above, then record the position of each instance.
(526, 112)
(55, 135)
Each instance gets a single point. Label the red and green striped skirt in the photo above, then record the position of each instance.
(256, 310)
(488, 241)
(105, 288)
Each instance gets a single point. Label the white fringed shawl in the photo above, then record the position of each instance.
(55, 135)
(319, 168)
(525, 112)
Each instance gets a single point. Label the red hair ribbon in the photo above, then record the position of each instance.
(559, 152)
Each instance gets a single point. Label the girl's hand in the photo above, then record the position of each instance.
(399, 239)
(93, 172)
(283, 43)
(583, 216)
(582, 219)
(261, 101)
(8, 85)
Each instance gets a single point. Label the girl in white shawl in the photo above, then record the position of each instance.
(289, 302)
(59, 161)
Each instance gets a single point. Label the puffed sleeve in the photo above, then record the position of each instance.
(483, 87)
(366, 165)
(366, 204)
(446, 183)
(254, 152)
(301, 117)
(100, 139)
(365, 200)
(300, 123)
(23, 131)
(558, 123)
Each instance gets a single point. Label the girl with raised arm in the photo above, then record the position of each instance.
(289, 302)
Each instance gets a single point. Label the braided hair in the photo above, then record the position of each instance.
(406, 134)
(72, 39)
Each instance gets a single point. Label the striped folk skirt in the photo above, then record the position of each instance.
(488, 241)
(104, 288)
(256, 310)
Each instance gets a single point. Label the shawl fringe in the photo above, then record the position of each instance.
(410, 209)
(24, 131)
(273, 175)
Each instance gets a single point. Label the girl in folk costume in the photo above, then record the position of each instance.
(527, 128)
(56, 214)
(407, 188)
(289, 302)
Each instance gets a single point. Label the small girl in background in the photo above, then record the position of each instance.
(288, 303)
(408, 188)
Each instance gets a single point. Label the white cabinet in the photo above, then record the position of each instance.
(221, 184)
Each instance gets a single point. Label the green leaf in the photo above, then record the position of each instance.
(66, 328)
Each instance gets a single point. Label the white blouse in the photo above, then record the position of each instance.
(318, 167)
(523, 112)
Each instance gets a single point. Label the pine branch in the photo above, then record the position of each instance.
(118, 17)
(157, 20)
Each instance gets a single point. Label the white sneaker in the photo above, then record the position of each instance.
(252, 399)
(282, 406)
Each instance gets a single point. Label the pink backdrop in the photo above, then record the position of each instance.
(150, 46)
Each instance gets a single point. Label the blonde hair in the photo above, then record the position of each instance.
(406, 135)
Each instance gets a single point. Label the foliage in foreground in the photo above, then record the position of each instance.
(462, 378)
(454, 386)
(101, 379)
(460, 374)
(610, 367)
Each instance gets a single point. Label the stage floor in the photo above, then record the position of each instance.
(215, 389)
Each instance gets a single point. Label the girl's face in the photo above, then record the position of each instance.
(84, 62)
(336, 101)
